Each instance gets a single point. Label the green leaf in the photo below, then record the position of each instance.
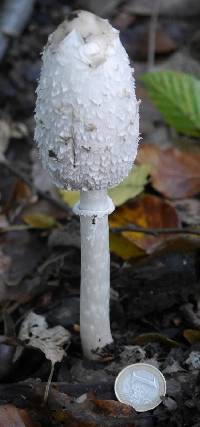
(177, 97)
(144, 339)
(131, 186)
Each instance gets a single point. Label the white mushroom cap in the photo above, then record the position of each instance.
(87, 121)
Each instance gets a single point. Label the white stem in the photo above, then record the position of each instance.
(95, 272)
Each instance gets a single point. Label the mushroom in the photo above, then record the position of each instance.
(87, 131)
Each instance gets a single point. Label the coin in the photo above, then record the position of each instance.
(141, 386)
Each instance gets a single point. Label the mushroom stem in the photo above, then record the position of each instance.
(93, 209)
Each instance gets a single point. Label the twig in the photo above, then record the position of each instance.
(19, 174)
(30, 390)
(51, 261)
(48, 385)
(155, 231)
(17, 227)
(152, 34)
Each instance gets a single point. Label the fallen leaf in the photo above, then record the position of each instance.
(10, 416)
(42, 207)
(188, 210)
(136, 41)
(192, 335)
(25, 251)
(112, 408)
(39, 220)
(155, 337)
(174, 173)
(123, 248)
(20, 192)
(131, 186)
(123, 20)
(145, 211)
(93, 412)
(35, 333)
(34, 330)
(70, 197)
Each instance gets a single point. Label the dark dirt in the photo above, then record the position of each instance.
(153, 300)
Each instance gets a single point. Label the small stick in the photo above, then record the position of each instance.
(47, 388)
(155, 231)
(17, 227)
(152, 34)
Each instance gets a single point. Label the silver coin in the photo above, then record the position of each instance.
(141, 386)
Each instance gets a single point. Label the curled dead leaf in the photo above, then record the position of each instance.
(15, 417)
(192, 335)
(174, 173)
(123, 248)
(34, 330)
(112, 408)
(146, 211)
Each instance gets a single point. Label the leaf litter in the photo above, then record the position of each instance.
(34, 332)
(174, 173)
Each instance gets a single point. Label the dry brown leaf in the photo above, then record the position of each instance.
(145, 211)
(10, 416)
(192, 335)
(123, 248)
(112, 408)
(21, 192)
(155, 337)
(174, 173)
(95, 413)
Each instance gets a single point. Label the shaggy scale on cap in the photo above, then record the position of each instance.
(87, 121)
